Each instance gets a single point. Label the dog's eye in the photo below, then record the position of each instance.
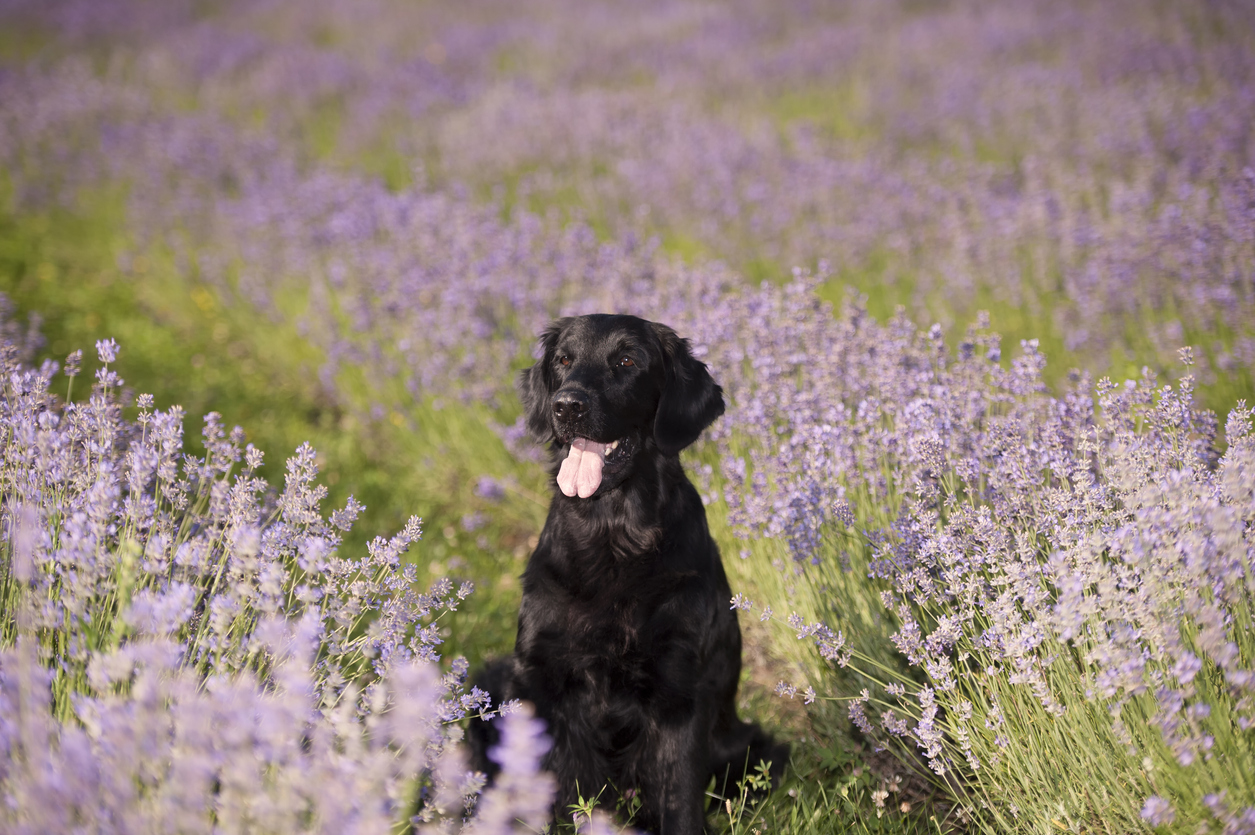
(626, 362)
(564, 360)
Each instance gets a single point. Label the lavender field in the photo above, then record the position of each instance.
(978, 280)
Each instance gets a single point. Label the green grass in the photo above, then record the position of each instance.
(838, 110)
(18, 45)
(179, 341)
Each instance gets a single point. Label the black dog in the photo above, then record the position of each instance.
(626, 645)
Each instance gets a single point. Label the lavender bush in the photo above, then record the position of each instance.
(1069, 576)
(185, 651)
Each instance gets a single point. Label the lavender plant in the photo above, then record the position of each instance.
(1068, 577)
(184, 650)
(1115, 609)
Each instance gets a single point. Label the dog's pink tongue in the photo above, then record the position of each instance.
(580, 473)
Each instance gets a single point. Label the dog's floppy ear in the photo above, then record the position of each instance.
(536, 384)
(690, 401)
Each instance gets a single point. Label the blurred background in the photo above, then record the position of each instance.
(344, 222)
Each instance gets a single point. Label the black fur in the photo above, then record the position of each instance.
(626, 643)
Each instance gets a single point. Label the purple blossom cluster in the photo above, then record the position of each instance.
(184, 650)
(1131, 561)
(1084, 556)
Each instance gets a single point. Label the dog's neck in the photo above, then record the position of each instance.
(627, 521)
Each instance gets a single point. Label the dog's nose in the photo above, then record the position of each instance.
(568, 405)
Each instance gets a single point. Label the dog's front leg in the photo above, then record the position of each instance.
(676, 779)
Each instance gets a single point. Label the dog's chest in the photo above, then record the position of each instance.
(594, 623)
(613, 637)
(610, 628)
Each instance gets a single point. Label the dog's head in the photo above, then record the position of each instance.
(610, 388)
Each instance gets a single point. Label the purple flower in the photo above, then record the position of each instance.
(215, 640)
(858, 714)
(74, 363)
(107, 350)
(1187, 666)
(489, 488)
(1157, 812)
(522, 792)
